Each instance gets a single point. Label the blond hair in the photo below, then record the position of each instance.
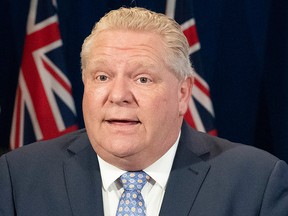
(140, 19)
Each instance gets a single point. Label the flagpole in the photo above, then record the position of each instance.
(170, 8)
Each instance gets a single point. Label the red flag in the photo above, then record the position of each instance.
(44, 107)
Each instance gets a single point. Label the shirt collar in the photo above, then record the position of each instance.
(109, 173)
(159, 170)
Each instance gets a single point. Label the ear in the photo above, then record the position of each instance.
(184, 94)
(83, 76)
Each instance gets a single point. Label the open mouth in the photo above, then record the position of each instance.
(123, 121)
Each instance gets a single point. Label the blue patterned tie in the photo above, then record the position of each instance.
(131, 202)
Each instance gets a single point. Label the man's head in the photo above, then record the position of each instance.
(137, 78)
(140, 19)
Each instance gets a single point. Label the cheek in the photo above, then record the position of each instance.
(160, 108)
(93, 95)
(90, 105)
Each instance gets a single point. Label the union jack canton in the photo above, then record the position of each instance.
(44, 107)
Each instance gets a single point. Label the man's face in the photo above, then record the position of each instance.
(133, 105)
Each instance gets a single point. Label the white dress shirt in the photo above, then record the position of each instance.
(152, 192)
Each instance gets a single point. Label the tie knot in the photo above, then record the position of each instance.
(134, 180)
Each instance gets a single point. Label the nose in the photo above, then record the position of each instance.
(120, 92)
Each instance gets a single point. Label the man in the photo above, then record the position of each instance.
(138, 78)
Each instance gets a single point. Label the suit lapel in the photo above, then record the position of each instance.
(187, 175)
(83, 180)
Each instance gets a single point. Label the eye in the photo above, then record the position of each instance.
(144, 80)
(102, 78)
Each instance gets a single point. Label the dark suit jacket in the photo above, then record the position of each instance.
(209, 177)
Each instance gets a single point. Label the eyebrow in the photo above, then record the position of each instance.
(98, 62)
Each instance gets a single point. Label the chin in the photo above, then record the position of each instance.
(124, 151)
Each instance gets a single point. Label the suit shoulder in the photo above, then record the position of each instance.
(40, 150)
(217, 148)
(239, 155)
